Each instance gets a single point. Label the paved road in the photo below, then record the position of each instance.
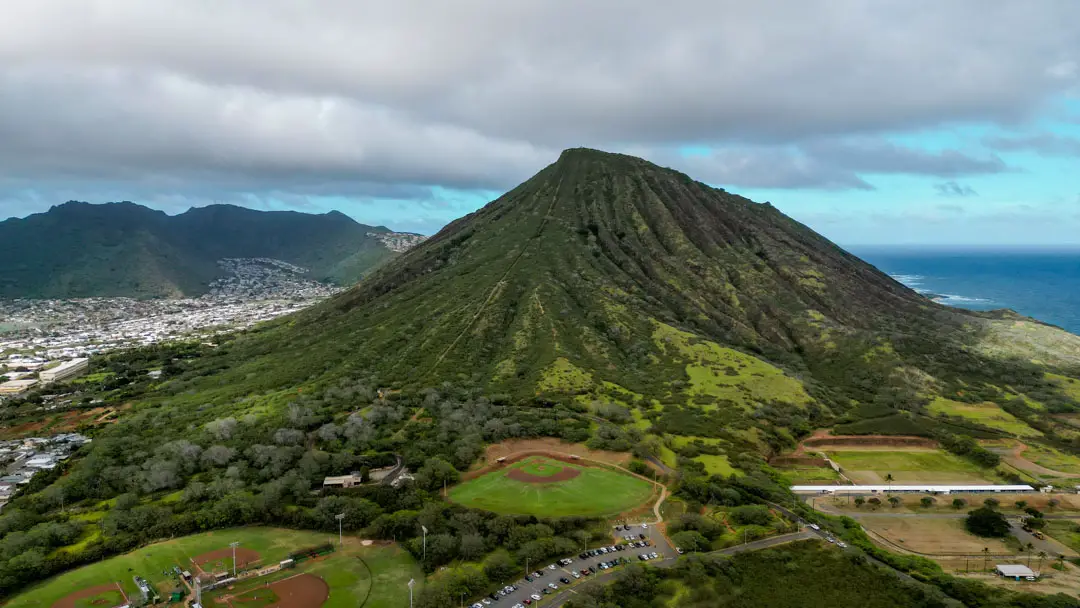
(1050, 546)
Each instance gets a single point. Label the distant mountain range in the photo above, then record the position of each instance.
(124, 249)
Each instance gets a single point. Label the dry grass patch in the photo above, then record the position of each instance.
(933, 535)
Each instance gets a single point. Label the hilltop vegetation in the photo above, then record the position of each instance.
(122, 249)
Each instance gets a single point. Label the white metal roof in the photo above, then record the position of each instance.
(1014, 570)
(920, 488)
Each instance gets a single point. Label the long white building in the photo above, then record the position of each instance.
(908, 489)
(65, 371)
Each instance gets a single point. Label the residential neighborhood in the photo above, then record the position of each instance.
(37, 332)
(21, 459)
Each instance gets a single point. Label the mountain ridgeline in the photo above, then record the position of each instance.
(124, 249)
(607, 278)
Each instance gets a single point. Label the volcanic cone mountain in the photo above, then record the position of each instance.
(605, 273)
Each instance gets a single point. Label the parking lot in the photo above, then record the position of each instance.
(526, 589)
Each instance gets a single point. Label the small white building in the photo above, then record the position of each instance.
(1014, 571)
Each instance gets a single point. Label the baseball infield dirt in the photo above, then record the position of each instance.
(563, 475)
(244, 557)
(69, 601)
(301, 591)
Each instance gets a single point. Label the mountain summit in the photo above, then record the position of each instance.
(609, 276)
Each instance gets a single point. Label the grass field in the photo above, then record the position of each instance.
(347, 576)
(594, 492)
(725, 373)
(907, 465)
(1064, 531)
(1052, 459)
(717, 465)
(986, 414)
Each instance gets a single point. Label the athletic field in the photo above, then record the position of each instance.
(381, 571)
(546, 487)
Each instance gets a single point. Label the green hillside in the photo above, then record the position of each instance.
(607, 302)
(641, 281)
(123, 249)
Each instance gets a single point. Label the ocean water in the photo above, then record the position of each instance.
(1044, 284)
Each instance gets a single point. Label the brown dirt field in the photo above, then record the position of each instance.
(300, 591)
(872, 441)
(69, 601)
(563, 475)
(936, 536)
(550, 444)
(791, 461)
(244, 556)
(64, 422)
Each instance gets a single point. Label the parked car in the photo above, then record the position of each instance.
(815, 527)
(553, 585)
(641, 536)
(535, 597)
(678, 550)
(564, 580)
(576, 575)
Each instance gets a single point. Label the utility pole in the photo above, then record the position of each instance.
(412, 581)
(339, 517)
(233, 545)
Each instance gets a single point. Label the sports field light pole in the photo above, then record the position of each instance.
(412, 581)
(339, 517)
(233, 545)
(424, 528)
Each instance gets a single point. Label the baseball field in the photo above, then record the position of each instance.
(546, 487)
(345, 577)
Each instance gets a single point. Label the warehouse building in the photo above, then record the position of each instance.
(65, 371)
(906, 489)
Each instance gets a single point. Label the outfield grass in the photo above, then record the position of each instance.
(914, 466)
(346, 575)
(594, 492)
(986, 414)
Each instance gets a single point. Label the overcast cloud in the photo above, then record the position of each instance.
(206, 99)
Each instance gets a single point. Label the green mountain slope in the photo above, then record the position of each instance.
(605, 270)
(123, 249)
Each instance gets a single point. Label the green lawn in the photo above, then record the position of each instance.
(986, 414)
(347, 576)
(595, 491)
(724, 373)
(717, 465)
(1052, 459)
(1065, 532)
(908, 466)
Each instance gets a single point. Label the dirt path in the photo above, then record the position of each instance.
(1015, 457)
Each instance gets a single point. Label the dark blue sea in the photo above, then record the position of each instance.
(1044, 284)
